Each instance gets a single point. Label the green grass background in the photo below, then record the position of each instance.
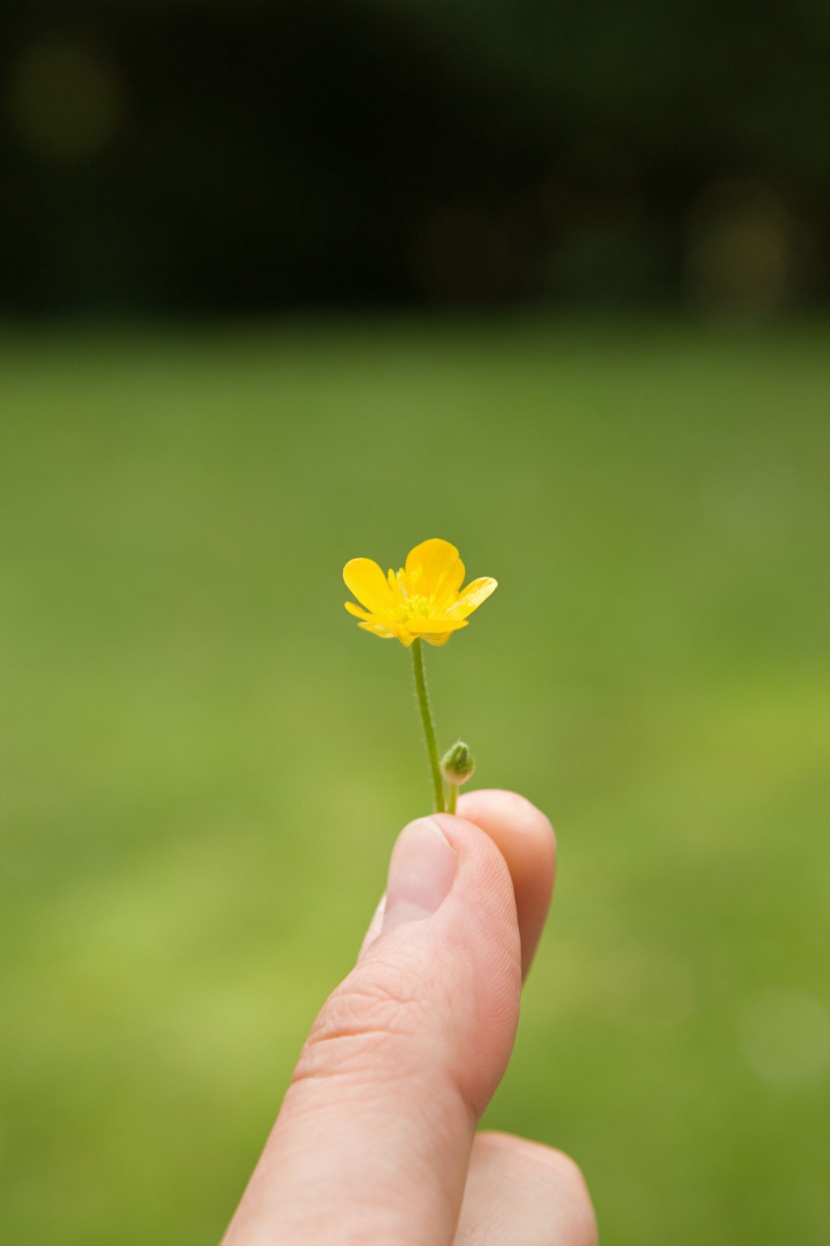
(206, 762)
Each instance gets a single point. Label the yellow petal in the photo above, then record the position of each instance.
(357, 611)
(438, 631)
(434, 569)
(378, 629)
(474, 594)
(443, 623)
(438, 640)
(365, 579)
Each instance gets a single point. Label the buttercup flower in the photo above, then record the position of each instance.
(422, 600)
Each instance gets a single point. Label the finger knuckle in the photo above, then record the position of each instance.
(369, 1016)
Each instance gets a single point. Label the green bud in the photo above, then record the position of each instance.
(457, 763)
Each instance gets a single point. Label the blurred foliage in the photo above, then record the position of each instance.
(206, 762)
(207, 156)
(670, 76)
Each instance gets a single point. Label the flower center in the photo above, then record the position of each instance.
(417, 608)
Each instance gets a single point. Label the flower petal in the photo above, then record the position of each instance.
(438, 640)
(474, 594)
(434, 569)
(365, 579)
(378, 629)
(443, 623)
(357, 611)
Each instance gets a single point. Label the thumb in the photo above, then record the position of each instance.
(373, 1140)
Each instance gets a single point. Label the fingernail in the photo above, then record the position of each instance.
(421, 871)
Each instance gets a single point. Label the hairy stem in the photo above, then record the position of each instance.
(429, 726)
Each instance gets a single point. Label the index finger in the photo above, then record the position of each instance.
(526, 840)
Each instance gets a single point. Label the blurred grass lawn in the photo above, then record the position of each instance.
(206, 762)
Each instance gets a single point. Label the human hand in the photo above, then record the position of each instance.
(375, 1144)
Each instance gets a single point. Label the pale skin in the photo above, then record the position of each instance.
(376, 1142)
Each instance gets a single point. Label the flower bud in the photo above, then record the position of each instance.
(457, 763)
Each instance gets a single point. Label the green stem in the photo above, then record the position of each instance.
(453, 797)
(429, 726)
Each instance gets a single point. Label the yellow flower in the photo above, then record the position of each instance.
(424, 599)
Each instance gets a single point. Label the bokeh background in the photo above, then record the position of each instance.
(282, 284)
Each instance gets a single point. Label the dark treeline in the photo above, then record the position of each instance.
(186, 157)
